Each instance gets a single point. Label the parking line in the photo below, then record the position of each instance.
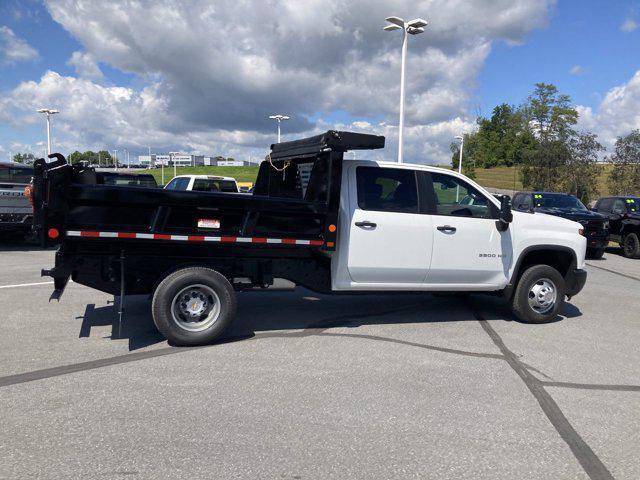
(25, 284)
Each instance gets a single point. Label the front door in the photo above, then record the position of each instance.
(468, 249)
(389, 240)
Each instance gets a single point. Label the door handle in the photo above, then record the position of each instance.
(366, 224)
(446, 228)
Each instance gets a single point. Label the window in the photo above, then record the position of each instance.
(619, 206)
(454, 197)
(178, 184)
(15, 175)
(214, 185)
(605, 205)
(522, 201)
(387, 189)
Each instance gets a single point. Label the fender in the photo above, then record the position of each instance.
(508, 290)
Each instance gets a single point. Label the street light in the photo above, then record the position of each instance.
(279, 119)
(413, 27)
(115, 157)
(48, 112)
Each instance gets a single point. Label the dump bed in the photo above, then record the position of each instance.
(292, 214)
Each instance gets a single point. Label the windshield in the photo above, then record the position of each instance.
(130, 180)
(557, 200)
(633, 204)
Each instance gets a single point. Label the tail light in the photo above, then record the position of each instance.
(28, 192)
(53, 233)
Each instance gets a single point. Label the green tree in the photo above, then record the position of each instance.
(26, 158)
(581, 170)
(75, 157)
(551, 114)
(624, 177)
(543, 167)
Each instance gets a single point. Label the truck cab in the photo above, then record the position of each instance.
(623, 214)
(203, 183)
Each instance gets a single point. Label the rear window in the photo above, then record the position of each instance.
(214, 185)
(130, 180)
(16, 174)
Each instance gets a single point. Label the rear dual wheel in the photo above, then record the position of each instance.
(193, 306)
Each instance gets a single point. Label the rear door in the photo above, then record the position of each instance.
(389, 239)
(468, 249)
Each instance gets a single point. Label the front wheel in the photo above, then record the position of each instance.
(539, 295)
(631, 245)
(193, 306)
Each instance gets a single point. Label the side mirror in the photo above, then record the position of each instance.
(506, 216)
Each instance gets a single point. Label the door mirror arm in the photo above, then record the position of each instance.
(505, 216)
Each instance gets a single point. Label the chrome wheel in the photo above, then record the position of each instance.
(195, 308)
(542, 296)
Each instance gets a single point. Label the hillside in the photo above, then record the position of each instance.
(506, 178)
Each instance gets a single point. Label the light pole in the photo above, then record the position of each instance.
(279, 119)
(461, 138)
(413, 27)
(48, 112)
(115, 157)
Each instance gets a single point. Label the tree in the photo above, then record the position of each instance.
(26, 158)
(75, 157)
(551, 114)
(581, 171)
(624, 177)
(543, 167)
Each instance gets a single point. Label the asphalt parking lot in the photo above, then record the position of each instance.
(306, 386)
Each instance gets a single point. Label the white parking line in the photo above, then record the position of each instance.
(25, 284)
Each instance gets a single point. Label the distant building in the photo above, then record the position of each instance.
(183, 160)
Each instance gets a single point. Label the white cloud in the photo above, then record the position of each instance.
(212, 80)
(629, 25)
(85, 65)
(14, 49)
(576, 70)
(618, 113)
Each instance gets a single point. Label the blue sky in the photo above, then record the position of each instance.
(581, 46)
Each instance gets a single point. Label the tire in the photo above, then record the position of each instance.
(535, 281)
(595, 253)
(631, 245)
(193, 306)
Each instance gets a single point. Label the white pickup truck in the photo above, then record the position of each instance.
(325, 223)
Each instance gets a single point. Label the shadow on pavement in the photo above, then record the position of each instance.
(303, 310)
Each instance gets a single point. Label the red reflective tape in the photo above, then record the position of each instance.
(196, 238)
(161, 236)
(228, 239)
(126, 235)
(289, 241)
(86, 233)
(316, 242)
(258, 240)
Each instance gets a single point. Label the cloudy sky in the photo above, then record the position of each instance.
(203, 76)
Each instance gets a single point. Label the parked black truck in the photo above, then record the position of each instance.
(596, 226)
(624, 222)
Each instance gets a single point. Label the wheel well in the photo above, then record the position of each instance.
(561, 260)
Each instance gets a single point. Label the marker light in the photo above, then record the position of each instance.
(53, 233)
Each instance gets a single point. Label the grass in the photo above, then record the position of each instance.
(508, 178)
(241, 174)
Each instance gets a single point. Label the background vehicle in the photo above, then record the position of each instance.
(16, 214)
(624, 222)
(596, 226)
(203, 183)
(126, 179)
(348, 226)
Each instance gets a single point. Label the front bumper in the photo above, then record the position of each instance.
(574, 281)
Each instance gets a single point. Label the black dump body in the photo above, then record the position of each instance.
(284, 229)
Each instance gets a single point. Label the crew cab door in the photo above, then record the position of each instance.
(389, 241)
(468, 249)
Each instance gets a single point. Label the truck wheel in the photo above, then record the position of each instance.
(631, 245)
(539, 295)
(595, 253)
(193, 306)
